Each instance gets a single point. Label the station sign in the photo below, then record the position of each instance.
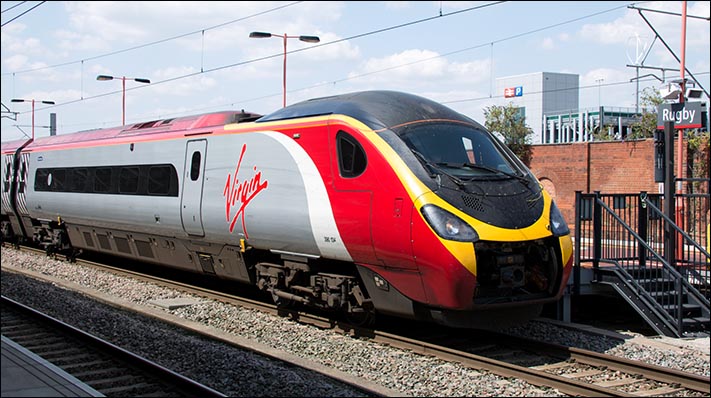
(513, 92)
(686, 115)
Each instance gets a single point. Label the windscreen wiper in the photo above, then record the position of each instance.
(433, 166)
(487, 168)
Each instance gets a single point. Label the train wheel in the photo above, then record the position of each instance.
(363, 318)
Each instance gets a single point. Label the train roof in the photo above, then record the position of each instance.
(379, 109)
(141, 129)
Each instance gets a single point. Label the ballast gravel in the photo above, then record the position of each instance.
(239, 372)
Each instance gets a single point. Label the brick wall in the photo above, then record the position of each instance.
(608, 167)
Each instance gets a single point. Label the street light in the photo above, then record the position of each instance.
(599, 83)
(33, 110)
(123, 80)
(308, 39)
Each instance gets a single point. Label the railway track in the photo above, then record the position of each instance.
(570, 370)
(105, 367)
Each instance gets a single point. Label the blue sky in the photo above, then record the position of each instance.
(199, 57)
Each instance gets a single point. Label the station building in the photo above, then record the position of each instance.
(550, 104)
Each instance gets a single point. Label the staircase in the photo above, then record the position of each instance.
(671, 310)
(669, 288)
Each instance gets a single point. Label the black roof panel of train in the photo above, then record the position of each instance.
(377, 109)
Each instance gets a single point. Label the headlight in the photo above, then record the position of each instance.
(447, 225)
(558, 225)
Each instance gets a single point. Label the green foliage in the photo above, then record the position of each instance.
(508, 122)
(647, 123)
(699, 144)
(603, 135)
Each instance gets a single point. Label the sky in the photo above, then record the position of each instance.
(199, 57)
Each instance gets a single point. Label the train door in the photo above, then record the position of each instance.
(7, 177)
(193, 175)
(14, 199)
(352, 192)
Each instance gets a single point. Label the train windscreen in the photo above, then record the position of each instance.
(458, 149)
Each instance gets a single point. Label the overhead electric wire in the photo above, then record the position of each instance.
(38, 4)
(16, 5)
(425, 59)
(465, 49)
(275, 55)
(440, 15)
(152, 43)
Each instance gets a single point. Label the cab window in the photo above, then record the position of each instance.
(351, 156)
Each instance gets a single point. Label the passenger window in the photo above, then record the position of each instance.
(195, 166)
(56, 180)
(41, 180)
(159, 180)
(102, 180)
(351, 156)
(128, 180)
(79, 179)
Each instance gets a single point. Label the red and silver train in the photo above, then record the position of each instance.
(369, 202)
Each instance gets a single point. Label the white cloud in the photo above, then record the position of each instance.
(16, 62)
(183, 87)
(605, 86)
(552, 43)
(548, 44)
(424, 66)
(620, 30)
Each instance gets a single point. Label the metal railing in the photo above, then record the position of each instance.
(663, 265)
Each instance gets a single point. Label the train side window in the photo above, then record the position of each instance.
(159, 180)
(79, 179)
(351, 156)
(102, 179)
(42, 181)
(195, 166)
(128, 180)
(57, 180)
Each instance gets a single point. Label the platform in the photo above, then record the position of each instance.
(25, 374)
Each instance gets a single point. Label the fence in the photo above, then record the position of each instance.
(664, 266)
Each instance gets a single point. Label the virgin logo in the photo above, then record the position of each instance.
(238, 194)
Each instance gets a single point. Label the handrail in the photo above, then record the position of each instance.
(665, 264)
(616, 229)
(673, 225)
(658, 309)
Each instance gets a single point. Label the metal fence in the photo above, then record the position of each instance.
(661, 260)
(643, 212)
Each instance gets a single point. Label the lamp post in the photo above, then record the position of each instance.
(599, 86)
(308, 39)
(33, 110)
(601, 115)
(123, 80)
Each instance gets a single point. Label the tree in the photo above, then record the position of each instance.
(647, 123)
(510, 124)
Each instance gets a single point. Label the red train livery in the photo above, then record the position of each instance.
(373, 202)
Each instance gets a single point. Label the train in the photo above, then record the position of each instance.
(371, 203)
